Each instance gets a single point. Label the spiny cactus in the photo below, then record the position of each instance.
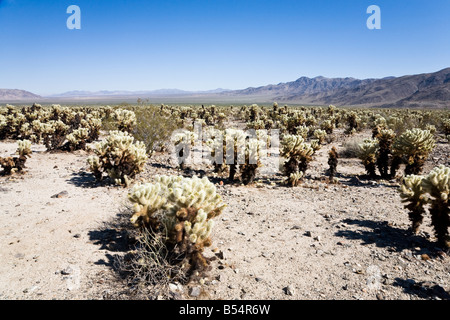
(77, 139)
(16, 164)
(183, 209)
(412, 193)
(320, 135)
(295, 178)
(298, 152)
(367, 153)
(414, 146)
(437, 185)
(385, 139)
(332, 163)
(125, 119)
(119, 156)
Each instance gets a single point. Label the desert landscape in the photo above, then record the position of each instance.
(297, 232)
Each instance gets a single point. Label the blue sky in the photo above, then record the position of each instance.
(207, 44)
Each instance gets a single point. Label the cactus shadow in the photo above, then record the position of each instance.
(383, 235)
(114, 238)
(424, 289)
(85, 180)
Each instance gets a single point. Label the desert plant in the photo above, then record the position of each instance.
(77, 139)
(297, 152)
(119, 156)
(385, 139)
(437, 185)
(16, 164)
(332, 162)
(412, 193)
(125, 119)
(182, 209)
(295, 178)
(413, 148)
(367, 154)
(320, 135)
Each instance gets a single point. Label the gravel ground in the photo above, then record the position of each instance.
(316, 241)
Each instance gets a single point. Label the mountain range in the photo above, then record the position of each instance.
(427, 90)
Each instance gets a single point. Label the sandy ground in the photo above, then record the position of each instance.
(314, 241)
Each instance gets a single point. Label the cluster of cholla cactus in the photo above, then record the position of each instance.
(298, 154)
(182, 209)
(16, 164)
(432, 189)
(53, 126)
(119, 156)
(413, 148)
(125, 119)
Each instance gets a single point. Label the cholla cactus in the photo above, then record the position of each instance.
(16, 164)
(303, 131)
(234, 150)
(295, 178)
(354, 122)
(332, 162)
(320, 135)
(126, 119)
(385, 139)
(3, 127)
(367, 153)
(414, 146)
(54, 134)
(328, 126)
(24, 148)
(253, 148)
(183, 142)
(437, 185)
(77, 139)
(183, 209)
(412, 193)
(298, 152)
(119, 156)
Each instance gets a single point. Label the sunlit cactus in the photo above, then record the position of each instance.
(367, 154)
(385, 139)
(297, 152)
(332, 163)
(182, 209)
(413, 194)
(125, 119)
(320, 135)
(414, 147)
(119, 156)
(437, 185)
(77, 139)
(295, 178)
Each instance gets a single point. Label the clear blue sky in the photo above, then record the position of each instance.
(207, 44)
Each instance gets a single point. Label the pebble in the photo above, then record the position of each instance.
(195, 292)
(61, 194)
(289, 290)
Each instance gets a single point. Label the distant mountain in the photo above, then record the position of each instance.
(137, 94)
(422, 90)
(17, 95)
(427, 90)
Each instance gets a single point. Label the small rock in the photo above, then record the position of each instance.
(173, 287)
(317, 238)
(308, 233)
(195, 292)
(425, 257)
(61, 194)
(289, 290)
(77, 235)
(66, 271)
(258, 279)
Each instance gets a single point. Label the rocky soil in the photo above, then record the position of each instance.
(316, 241)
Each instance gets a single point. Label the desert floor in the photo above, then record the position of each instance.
(316, 241)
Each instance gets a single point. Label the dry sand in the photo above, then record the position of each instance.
(314, 241)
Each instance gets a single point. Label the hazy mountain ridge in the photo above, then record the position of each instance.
(427, 90)
(16, 94)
